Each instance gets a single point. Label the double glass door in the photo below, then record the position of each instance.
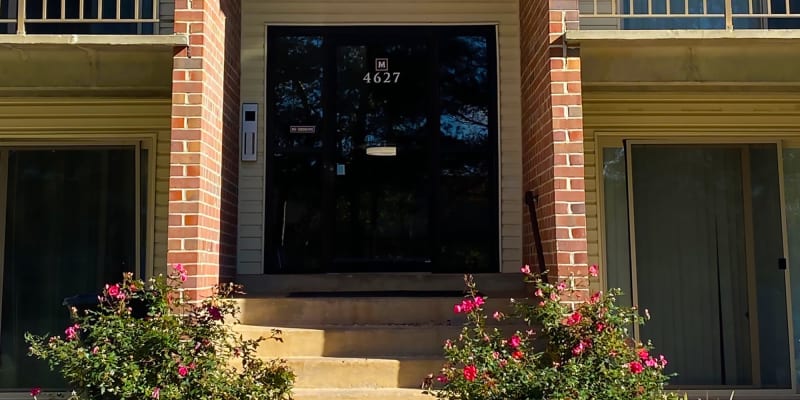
(69, 225)
(706, 255)
(382, 149)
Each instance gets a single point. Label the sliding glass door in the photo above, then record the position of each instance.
(70, 225)
(702, 229)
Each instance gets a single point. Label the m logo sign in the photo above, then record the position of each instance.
(381, 65)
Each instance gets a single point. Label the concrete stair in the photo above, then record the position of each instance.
(356, 348)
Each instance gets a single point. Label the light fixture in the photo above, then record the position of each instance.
(382, 150)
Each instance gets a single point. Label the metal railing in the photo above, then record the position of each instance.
(26, 13)
(709, 14)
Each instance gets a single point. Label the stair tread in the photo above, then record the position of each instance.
(388, 357)
(366, 394)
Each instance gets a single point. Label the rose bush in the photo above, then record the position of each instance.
(569, 352)
(143, 341)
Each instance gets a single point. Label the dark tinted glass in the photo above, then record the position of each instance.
(296, 75)
(383, 149)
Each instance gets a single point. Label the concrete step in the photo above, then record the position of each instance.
(362, 373)
(360, 394)
(495, 285)
(354, 311)
(361, 341)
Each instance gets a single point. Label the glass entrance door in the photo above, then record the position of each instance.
(69, 227)
(708, 261)
(382, 187)
(383, 149)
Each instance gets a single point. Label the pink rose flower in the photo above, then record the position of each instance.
(635, 367)
(458, 309)
(577, 350)
(156, 393)
(95, 350)
(515, 341)
(562, 286)
(651, 362)
(36, 391)
(442, 379)
(573, 319)
(181, 270)
(72, 332)
(526, 269)
(595, 298)
(516, 355)
(643, 354)
(498, 315)
(479, 301)
(600, 326)
(538, 293)
(183, 370)
(593, 270)
(470, 373)
(113, 290)
(662, 361)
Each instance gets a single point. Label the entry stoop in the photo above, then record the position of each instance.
(365, 347)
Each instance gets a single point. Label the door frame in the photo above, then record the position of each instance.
(338, 30)
(625, 141)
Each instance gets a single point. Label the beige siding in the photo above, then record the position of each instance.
(256, 14)
(48, 120)
(708, 115)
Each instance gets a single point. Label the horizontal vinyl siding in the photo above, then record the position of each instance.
(48, 120)
(610, 117)
(256, 14)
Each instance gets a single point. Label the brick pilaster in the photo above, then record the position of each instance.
(204, 143)
(552, 137)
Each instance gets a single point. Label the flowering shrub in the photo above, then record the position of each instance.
(579, 353)
(143, 341)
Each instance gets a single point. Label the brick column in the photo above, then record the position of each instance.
(552, 137)
(204, 145)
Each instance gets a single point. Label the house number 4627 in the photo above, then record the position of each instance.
(381, 77)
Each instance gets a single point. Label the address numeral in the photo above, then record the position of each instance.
(381, 77)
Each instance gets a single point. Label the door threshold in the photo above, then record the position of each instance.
(379, 284)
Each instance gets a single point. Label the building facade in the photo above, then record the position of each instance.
(369, 146)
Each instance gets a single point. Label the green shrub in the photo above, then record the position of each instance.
(571, 352)
(143, 341)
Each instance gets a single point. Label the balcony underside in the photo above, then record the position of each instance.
(671, 59)
(85, 70)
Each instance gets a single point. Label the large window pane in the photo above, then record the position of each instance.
(296, 100)
(617, 240)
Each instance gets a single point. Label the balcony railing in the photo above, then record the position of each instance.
(79, 16)
(690, 14)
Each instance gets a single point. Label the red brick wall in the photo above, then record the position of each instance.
(204, 145)
(552, 137)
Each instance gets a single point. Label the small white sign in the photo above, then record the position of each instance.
(302, 129)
